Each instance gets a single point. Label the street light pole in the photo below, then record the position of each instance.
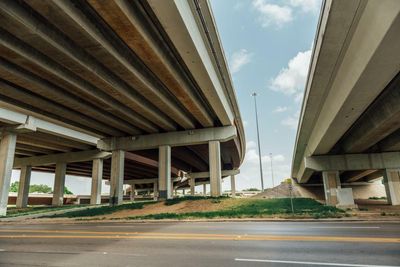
(272, 172)
(258, 138)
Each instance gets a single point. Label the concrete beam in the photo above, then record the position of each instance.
(224, 173)
(378, 121)
(59, 184)
(57, 39)
(119, 52)
(19, 47)
(117, 177)
(97, 176)
(14, 117)
(7, 151)
(356, 175)
(23, 190)
(68, 157)
(354, 162)
(148, 180)
(181, 138)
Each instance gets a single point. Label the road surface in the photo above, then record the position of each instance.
(201, 244)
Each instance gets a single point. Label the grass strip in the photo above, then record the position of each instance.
(102, 210)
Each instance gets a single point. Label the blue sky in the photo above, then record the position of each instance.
(268, 46)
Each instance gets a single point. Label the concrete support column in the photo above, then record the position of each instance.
(97, 176)
(155, 191)
(117, 177)
(192, 182)
(331, 182)
(204, 189)
(164, 172)
(23, 190)
(7, 152)
(59, 184)
(215, 168)
(392, 185)
(183, 191)
(233, 186)
(133, 192)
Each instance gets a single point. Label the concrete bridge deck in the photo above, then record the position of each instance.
(82, 78)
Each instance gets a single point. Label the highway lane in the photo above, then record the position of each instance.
(201, 244)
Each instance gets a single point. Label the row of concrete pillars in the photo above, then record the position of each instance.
(174, 190)
(164, 184)
(335, 195)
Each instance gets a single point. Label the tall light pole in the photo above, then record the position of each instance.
(272, 172)
(258, 138)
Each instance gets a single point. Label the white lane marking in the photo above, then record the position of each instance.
(2, 250)
(346, 227)
(314, 263)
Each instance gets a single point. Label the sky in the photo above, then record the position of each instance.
(268, 46)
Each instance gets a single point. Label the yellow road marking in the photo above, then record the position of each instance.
(187, 236)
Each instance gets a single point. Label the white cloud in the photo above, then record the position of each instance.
(279, 15)
(291, 79)
(291, 121)
(239, 59)
(306, 5)
(279, 109)
(250, 173)
(271, 14)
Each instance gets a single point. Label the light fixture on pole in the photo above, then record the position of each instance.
(258, 139)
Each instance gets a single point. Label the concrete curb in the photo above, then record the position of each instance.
(74, 221)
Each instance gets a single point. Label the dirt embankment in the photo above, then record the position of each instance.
(182, 207)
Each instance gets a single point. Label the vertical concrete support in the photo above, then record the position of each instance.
(133, 192)
(192, 186)
(233, 186)
(204, 189)
(59, 184)
(183, 192)
(215, 168)
(117, 177)
(155, 191)
(7, 152)
(391, 180)
(164, 172)
(331, 182)
(23, 190)
(97, 176)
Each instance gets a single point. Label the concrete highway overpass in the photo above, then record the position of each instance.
(349, 128)
(137, 92)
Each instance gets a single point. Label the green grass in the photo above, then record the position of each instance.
(103, 210)
(15, 212)
(251, 208)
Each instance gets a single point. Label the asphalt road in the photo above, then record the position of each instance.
(201, 244)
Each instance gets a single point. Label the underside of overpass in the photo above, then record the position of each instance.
(349, 128)
(125, 90)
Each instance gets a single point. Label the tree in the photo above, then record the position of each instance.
(67, 192)
(252, 189)
(14, 187)
(40, 188)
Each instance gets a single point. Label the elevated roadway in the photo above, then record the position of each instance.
(349, 128)
(120, 90)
